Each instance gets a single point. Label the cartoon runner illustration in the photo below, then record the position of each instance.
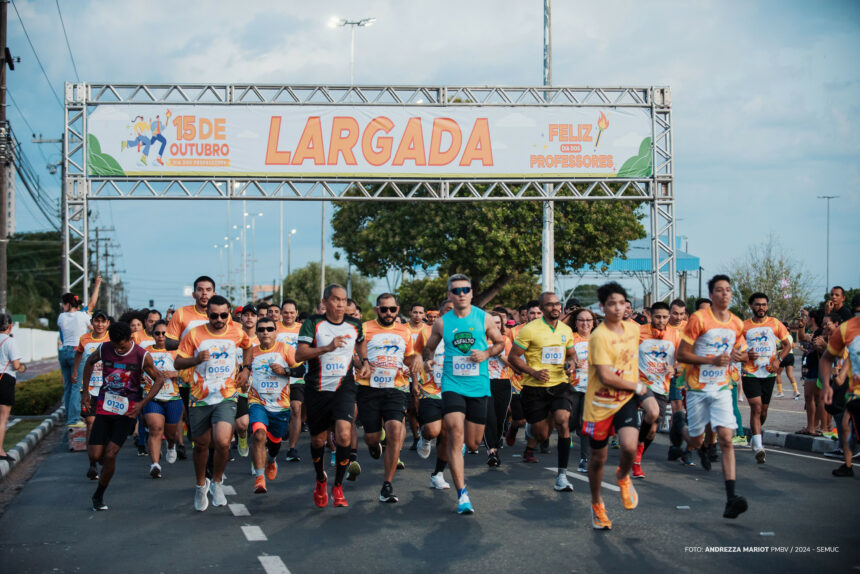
(156, 127)
(141, 128)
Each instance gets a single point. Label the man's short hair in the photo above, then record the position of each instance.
(758, 295)
(289, 302)
(204, 279)
(442, 304)
(458, 277)
(265, 319)
(533, 303)
(151, 311)
(262, 306)
(659, 305)
(329, 289)
(218, 300)
(700, 302)
(840, 289)
(611, 288)
(119, 331)
(385, 296)
(676, 303)
(716, 279)
(543, 296)
(416, 304)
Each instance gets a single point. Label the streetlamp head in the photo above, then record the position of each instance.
(366, 22)
(334, 22)
(292, 232)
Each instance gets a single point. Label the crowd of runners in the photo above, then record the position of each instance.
(456, 378)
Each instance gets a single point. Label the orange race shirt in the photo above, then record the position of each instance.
(214, 381)
(710, 338)
(142, 339)
(847, 337)
(163, 360)
(763, 338)
(289, 335)
(619, 351)
(268, 389)
(386, 349)
(87, 346)
(183, 320)
(498, 369)
(656, 355)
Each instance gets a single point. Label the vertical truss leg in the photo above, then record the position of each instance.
(663, 256)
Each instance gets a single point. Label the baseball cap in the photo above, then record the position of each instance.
(249, 308)
(99, 313)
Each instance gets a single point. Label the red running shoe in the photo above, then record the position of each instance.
(320, 494)
(337, 495)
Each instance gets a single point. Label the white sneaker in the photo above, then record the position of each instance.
(797, 396)
(201, 497)
(171, 455)
(780, 395)
(562, 484)
(423, 447)
(217, 490)
(437, 481)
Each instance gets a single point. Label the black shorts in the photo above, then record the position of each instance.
(7, 390)
(92, 401)
(429, 410)
(788, 361)
(185, 395)
(297, 393)
(662, 402)
(625, 417)
(111, 428)
(326, 407)
(376, 406)
(241, 406)
(755, 387)
(539, 402)
(475, 408)
(517, 412)
(576, 411)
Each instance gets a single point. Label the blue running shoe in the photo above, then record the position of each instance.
(464, 505)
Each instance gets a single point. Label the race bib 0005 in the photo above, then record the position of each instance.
(464, 366)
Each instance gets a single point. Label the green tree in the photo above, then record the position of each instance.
(35, 276)
(303, 285)
(767, 268)
(431, 290)
(493, 243)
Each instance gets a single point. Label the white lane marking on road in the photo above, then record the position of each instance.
(805, 456)
(683, 507)
(12, 423)
(229, 490)
(273, 565)
(253, 533)
(239, 510)
(584, 478)
(767, 533)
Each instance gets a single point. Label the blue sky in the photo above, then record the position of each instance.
(765, 105)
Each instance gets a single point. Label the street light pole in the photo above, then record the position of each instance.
(827, 264)
(548, 238)
(289, 249)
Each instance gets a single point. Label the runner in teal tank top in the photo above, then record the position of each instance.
(462, 335)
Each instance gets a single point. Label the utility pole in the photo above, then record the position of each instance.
(548, 238)
(827, 265)
(4, 152)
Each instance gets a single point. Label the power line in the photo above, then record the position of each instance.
(44, 73)
(69, 46)
(23, 117)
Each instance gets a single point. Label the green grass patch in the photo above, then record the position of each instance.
(39, 395)
(15, 434)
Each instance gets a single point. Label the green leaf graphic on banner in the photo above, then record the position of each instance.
(100, 163)
(638, 165)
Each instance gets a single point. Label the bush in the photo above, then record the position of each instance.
(39, 395)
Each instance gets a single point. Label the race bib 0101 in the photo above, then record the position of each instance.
(552, 355)
(464, 366)
(115, 404)
(383, 378)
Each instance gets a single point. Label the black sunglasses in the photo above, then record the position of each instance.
(266, 329)
(159, 333)
(214, 316)
(461, 290)
(388, 309)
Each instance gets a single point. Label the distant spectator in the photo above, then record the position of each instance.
(11, 365)
(836, 304)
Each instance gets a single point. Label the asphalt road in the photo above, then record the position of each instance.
(797, 510)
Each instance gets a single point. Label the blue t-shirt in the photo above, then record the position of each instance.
(461, 337)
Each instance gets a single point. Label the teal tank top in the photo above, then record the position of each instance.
(461, 337)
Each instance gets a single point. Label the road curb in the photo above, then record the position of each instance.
(29, 442)
(800, 442)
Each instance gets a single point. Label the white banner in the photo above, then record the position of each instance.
(368, 141)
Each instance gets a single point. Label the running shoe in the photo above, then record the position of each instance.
(511, 437)
(243, 445)
(414, 443)
(99, 504)
(703, 456)
(562, 484)
(687, 458)
(464, 504)
(93, 473)
(271, 469)
(739, 441)
(375, 451)
(293, 456)
(760, 456)
(797, 396)
(171, 455)
(337, 495)
(180, 452)
(675, 452)
(470, 451)
(780, 396)
(387, 493)
(529, 456)
(637, 470)
(713, 453)
(613, 442)
(353, 470)
(493, 459)
(583, 465)
(735, 506)
(676, 431)
(217, 490)
(438, 482)
(201, 497)
(400, 464)
(141, 450)
(424, 447)
(320, 494)
(260, 484)
(155, 470)
(599, 519)
(843, 471)
(629, 496)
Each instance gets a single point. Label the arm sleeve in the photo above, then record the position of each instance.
(693, 329)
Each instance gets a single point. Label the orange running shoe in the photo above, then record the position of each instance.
(260, 485)
(272, 470)
(599, 519)
(320, 494)
(628, 493)
(337, 495)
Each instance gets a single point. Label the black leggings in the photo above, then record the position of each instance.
(575, 424)
(497, 411)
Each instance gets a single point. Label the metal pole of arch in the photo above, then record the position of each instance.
(548, 238)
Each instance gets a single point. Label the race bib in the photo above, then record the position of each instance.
(712, 374)
(383, 378)
(464, 366)
(334, 365)
(552, 355)
(269, 386)
(115, 404)
(581, 380)
(437, 370)
(167, 392)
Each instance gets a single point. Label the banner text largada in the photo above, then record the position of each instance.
(367, 141)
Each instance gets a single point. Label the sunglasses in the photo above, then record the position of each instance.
(461, 290)
(214, 316)
(159, 333)
(266, 329)
(388, 309)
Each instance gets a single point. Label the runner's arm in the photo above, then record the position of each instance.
(515, 358)
(94, 298)
(495, 336)
(171, 344)
(686, 355)
(608, 376)
(824, 367)
(786, 349)
(432, 341)
(88, 371)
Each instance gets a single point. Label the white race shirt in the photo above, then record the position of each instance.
(8, 352)
(72, 326)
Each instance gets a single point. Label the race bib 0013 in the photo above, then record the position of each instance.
(464, 366)
(383, 378)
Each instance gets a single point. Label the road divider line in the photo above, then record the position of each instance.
(839, 461)
(273, 565)
(584, 478)
(239, 509)
(253, 533)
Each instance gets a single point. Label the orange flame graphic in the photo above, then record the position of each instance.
(602, 124)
